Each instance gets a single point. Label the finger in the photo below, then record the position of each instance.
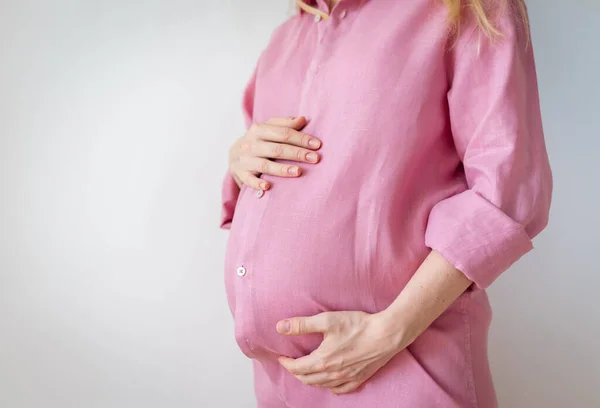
(297, 122)
(333, 384)
(309, 364)
(284, 134)
(346, 387)
(266, 166)
(298, 326)
(315, 379)
(253, 181)
(275, 150)
(325, 378)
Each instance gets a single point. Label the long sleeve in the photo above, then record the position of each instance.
(229, 188)
(497, 129)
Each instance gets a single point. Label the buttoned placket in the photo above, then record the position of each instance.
(246, 268)
(322, 26)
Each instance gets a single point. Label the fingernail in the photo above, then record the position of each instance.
(293, 171)
(313, 143)
(283, 326)
(311, 157)
(263, 186)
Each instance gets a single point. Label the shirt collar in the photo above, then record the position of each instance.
(322, 4)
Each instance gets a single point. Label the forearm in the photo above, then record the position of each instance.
(431, 290)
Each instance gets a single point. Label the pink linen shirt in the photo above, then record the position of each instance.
(425, 145)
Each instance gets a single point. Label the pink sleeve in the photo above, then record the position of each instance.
(497, 129)
(229, 188)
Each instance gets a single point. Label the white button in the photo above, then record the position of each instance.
(260, 193)
(317, 18)
(241, 271)
(343, 14)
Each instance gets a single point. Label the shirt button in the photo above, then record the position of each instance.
(241, 271)
(317, 18)
(343, 14)
(260, 193)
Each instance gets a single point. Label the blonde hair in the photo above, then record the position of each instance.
(456, 12)
(483, 15)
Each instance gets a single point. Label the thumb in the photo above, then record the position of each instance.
(297, 326)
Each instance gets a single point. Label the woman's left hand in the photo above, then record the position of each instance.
(354, 347)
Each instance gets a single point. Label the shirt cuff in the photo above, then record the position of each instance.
(229, 195)
(475, 236)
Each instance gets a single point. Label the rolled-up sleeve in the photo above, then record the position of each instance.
(229, 188)
(497, 130)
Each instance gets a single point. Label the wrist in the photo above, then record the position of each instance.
(396, 328)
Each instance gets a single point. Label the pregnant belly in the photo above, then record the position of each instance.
(287, 257)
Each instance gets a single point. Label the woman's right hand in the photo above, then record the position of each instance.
(278, 138)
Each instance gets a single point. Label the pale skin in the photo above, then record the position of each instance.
(355, 344)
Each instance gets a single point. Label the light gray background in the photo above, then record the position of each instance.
(115, 119)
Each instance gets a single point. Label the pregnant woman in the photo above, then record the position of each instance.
(394, 166)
